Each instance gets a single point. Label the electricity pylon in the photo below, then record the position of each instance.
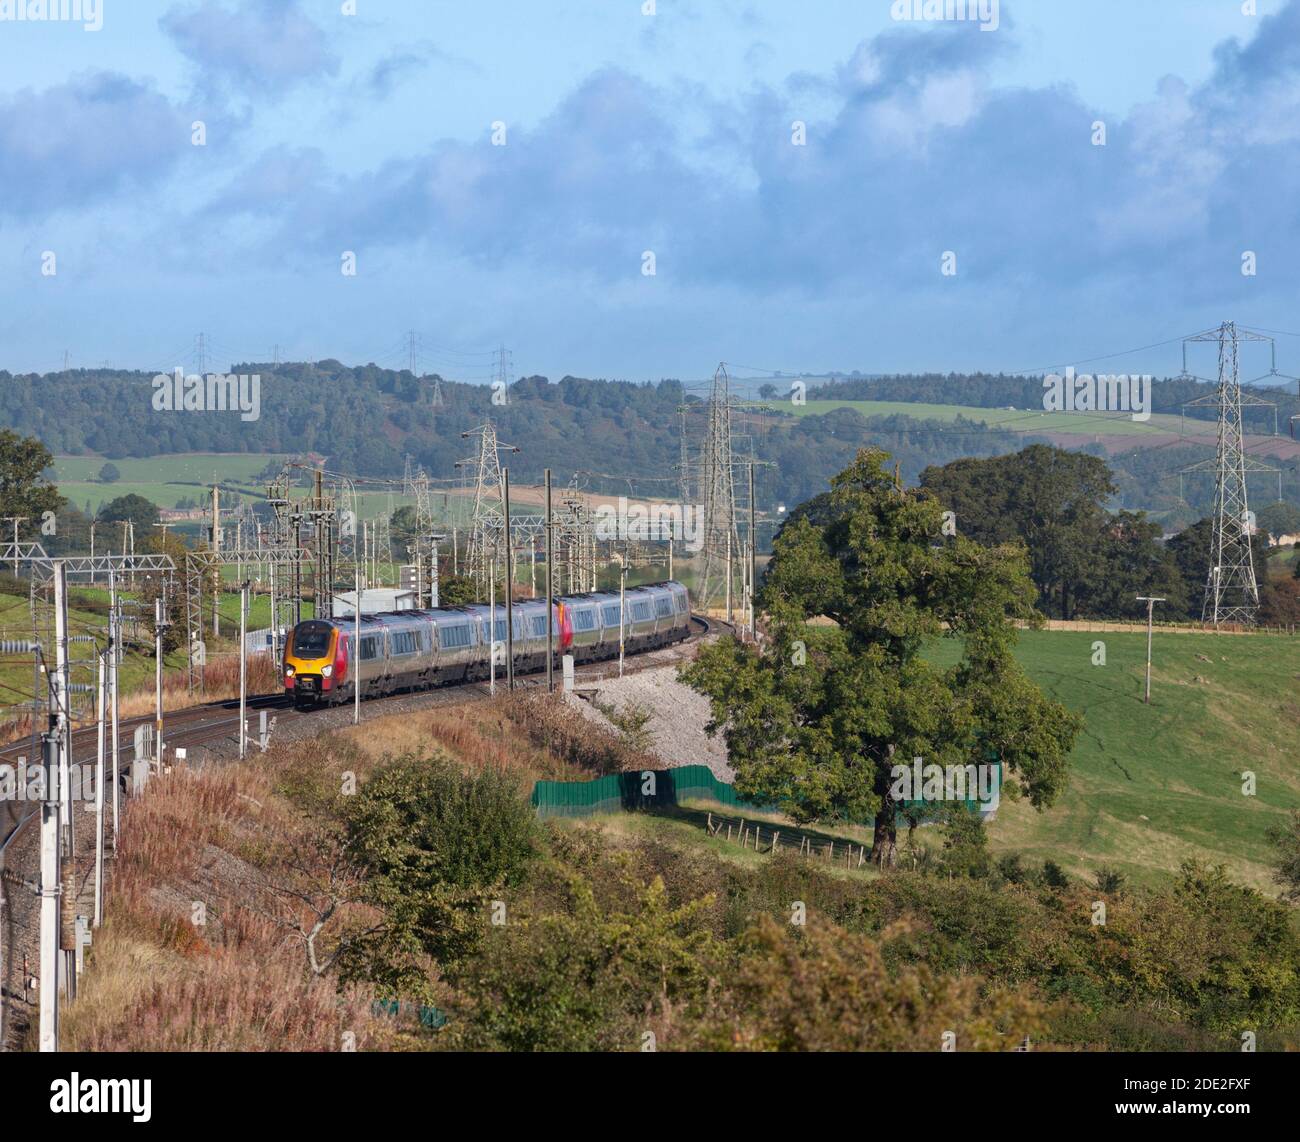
(489, 523)
(716, 482)
(1231, 591)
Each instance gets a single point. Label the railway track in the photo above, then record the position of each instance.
(218, 721)
(216, 724)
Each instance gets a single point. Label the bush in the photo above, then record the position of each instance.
(437, 842)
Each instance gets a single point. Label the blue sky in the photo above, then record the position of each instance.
(625, 133)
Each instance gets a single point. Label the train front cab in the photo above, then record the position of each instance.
(315, 663)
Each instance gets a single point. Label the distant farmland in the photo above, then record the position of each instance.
(1117, 430)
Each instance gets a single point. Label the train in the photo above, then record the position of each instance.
(419, 649)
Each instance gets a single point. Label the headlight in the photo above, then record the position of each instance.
(326, 670)
(288, 671)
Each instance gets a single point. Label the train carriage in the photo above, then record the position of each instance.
(412, 650)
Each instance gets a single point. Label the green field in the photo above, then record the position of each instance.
(163, 480)
(1011, 420)
(16, 676)
(1152, 786)
(166, 480)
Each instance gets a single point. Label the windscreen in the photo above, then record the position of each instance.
(311, 640)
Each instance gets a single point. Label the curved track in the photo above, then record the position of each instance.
(217, 721)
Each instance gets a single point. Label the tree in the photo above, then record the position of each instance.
(24, 489)
(109, 473)
(402, 528)
(1286, 839)
(1052, 500)
(130, 509)
(815, 721)
(457, 591)
(1279, 518)
(1191, 551)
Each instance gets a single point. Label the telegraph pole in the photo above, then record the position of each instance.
(51, 826)
(216, 550)
(510, 577)
(622, 608)
(243, 667)
(435, 588)
(492, 624)
(115, 640)
(550, 591)
(275, 619)
(59, 703)
(51, 888)
(101, 711)
(356, 653)
(753, 557)
(1151, 602)
(159, 625)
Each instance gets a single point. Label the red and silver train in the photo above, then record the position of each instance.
(414, 650)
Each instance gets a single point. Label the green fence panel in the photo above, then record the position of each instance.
(660, 789)
(652, 789)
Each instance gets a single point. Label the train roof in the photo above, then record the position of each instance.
(470, 610)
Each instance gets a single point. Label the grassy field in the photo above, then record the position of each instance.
(166, 480)
(163, 480)
(16, 672)
(1012, 420)
(1152, 786)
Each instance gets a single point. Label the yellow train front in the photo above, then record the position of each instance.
(316, 663)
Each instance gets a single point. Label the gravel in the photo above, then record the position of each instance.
(677, 716)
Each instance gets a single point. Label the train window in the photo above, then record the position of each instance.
(641, 610)
(404, 642)
(454, 636)
(539, 626)
(311, 640)
(663, 606)
(584, 619)
(369, 649)
(611, 614)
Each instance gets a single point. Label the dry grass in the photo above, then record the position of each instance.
(220, 683)
(479, 735)
(563, 733)
(160, 979)
(231, 839)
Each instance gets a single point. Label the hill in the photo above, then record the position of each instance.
(614, 436)
(1151, 787)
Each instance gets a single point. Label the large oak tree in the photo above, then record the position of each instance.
(816, 721)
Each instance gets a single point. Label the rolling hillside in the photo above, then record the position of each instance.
(1151, 787)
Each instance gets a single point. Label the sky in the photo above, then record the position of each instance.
(815, 184)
